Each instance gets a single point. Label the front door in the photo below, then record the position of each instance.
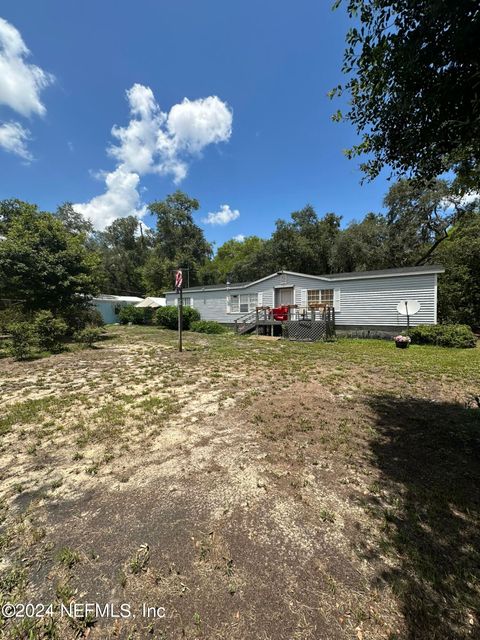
(283, 296)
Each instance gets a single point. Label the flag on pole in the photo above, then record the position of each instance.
(178, 280)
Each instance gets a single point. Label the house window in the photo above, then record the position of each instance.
(243, 303)
(234, 304)
(320, 296)
(248, 302)
(187, 302)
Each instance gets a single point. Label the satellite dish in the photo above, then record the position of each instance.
(408, 307)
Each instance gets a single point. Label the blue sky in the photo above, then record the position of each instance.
(268, 146)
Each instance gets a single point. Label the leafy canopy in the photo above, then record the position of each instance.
(179, 242)
(413, 82)
(43, 263)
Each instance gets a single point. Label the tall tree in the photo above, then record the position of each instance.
(179, 242)
(44, 264)
(72, 220)
(362, 246)
(232, 261)
(304, 244)
(124, 247)
(414, 74)
(459, 286)
(10, 209)
(419, 217)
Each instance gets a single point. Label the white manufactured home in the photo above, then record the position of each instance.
(362, 300)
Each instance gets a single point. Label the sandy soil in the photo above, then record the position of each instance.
(242, 486)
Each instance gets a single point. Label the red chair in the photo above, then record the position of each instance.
(280, 313)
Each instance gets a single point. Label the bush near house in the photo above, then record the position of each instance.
(168, 317)
(135, 315)
(444, 335)
(207, 326)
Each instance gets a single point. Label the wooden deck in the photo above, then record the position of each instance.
(299, 324)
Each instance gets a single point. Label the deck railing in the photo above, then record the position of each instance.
(263, 316)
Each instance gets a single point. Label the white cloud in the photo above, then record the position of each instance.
(120, 199)
(461, 201)
(157, 142)
(239, 238)
(20, 82)
(224, 216)
(14, 138)
(195, 124)
(468, 198)
(137, 142)
(20, 87)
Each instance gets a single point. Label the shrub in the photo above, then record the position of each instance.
(94, 318)
(50, 331)
(80, 316)
(9, 316)
(135, 315)
(207, 326)
(168, 317)
(444, 335)
(88, 336)
(22, 339)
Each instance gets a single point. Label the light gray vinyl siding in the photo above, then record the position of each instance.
(361, 302)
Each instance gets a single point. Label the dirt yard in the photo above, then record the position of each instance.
(253, 489)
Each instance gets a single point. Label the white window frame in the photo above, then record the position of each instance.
(242, 302)
(322, 295)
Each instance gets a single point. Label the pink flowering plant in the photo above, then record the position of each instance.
(401, 338)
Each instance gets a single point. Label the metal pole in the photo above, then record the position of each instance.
(180, 320)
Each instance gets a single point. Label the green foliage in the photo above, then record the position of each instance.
(178, 241)
(11, 209)
(73, 221)
(135, 315)
(9, 316)
(444, 335)
(44, 264)
(304, 244)
(189, 315)
(22, 340)
(207, 326)
(168, 317)
(411, 67)
(233, 261)
(80, 316)
(124, 252)
(50, 331)
(88, 336)
(459, 286)
(362, 246)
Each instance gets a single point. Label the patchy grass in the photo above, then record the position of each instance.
(255, 489)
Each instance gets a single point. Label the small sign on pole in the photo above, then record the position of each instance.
(178, 289)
